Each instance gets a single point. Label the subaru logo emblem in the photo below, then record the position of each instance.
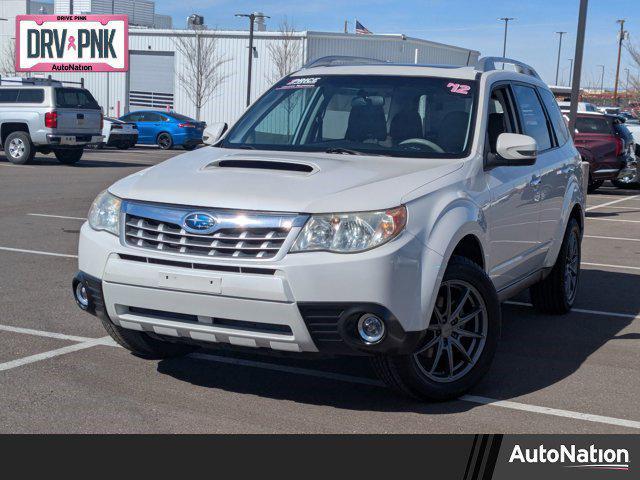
(198, 222)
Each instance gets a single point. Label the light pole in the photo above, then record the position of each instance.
(252, 18)
(621, 35)
(570, 69)
(506, 21)
(626, 87)
(559, 50)
(577, 71)
(601, 78)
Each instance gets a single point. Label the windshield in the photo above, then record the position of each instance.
(357, 114)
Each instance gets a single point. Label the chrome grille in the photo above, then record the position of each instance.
(160, 230)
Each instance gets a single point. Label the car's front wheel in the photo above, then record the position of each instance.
(165, 142)
(460, 343)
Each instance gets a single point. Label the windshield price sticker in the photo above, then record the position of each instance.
(304, 82)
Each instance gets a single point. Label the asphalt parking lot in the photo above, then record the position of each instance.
(578, 373)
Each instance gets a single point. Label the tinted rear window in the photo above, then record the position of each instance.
(21, 95)
(75, 98)
(593, 125)
(182, 118)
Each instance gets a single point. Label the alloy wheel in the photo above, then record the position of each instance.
(457, 333)
(572, 267)
(16, 148)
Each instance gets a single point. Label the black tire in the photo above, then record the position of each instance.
(406, 375)
(190, 146)
(554, 294)
(68, 156)
(144, 346)
(165, 141)
(18, 148)
(594, 185)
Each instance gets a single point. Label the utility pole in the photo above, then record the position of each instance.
(252, 18)
(506, 21)
(346, 26)
(620, 40)
(570, 69)
(601, 78)
(577, 71)
(559, 51)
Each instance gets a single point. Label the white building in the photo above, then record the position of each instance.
(152, 81)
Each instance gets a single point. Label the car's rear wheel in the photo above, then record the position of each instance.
(460, 343)
(68, 156)
(557, 292)
(142, 345)
(18, 148)
(165, 142)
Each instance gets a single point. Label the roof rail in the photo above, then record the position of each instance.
(339, 60)
(40, 81)
(487, 64)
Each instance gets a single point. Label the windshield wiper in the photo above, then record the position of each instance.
(343, 151)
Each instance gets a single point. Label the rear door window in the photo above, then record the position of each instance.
(152, 117)
(8, 95)
(559, 125)
(533, 118)
(30, 95)
(75, 98)
(594, 124)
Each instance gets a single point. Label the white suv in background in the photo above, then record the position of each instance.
(357, 208)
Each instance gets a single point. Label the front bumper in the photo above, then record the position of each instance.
(630, 173)
(305, 302)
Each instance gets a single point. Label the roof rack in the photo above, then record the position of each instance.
(340, 60)
(41, 81)
(487, 64)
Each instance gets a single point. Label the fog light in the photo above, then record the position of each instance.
(81, 296)
(371, 328)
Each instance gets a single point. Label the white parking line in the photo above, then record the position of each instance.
(582, 310)
(55, 216)
(613, 238)
(622, 267)
(613, 202)
(37, 252)
(53, 353)
(16, 166)
(42, 333)
(612, 220)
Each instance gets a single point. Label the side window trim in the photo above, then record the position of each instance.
(555, 141)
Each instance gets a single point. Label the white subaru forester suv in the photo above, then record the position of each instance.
(356, 208)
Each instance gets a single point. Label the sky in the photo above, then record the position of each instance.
(468, 23)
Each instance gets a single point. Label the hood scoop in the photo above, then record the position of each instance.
(273, 165)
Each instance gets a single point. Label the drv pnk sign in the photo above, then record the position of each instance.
(72, 43)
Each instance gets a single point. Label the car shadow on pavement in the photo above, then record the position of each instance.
(536, 351)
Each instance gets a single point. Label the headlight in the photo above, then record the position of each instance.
(350, 232)
(105, 213)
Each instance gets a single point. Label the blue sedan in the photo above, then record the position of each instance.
(166, 129)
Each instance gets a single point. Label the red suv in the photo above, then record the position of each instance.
(603, 142)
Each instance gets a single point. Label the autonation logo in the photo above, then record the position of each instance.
(589, 458)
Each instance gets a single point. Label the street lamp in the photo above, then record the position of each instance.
(506, 21)
(252, 18)
(559, 50)
(577, 71)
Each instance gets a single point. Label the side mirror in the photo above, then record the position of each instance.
(213, 133)
(513, 150)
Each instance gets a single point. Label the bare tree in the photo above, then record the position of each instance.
(202, 73)
(634, 80)
(7, 60)
(285, 53)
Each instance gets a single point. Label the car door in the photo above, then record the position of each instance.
(556, 166)
(153, 125)
(513, 213)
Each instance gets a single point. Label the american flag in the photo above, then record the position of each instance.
(361, 29)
